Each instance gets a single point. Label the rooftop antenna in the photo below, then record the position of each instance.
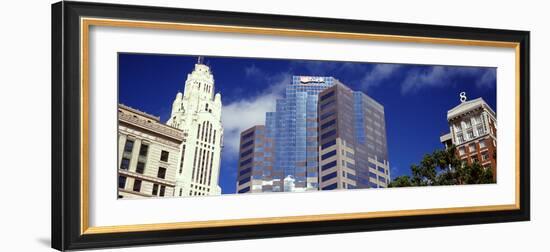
(200, 60)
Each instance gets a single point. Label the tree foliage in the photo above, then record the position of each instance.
(442, 167)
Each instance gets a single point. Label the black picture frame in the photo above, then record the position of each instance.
(66, 123)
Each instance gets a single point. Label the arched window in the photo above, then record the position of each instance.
(206, 107)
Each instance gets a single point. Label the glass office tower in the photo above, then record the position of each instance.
(290, 141)
(352, 140)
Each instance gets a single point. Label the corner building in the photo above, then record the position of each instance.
(352, 140)
(197, 112)
(148, 155)
(473, 130)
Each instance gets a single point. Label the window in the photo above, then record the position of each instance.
(155, 189)
(475, 159)
(162, 189)
(472, 148)
(482, 144)
(137, 185)
(121, 182)
(161, 173)
(248, 135)
(143, 150)
(247, 144)
(329, 94)
(246, 189)
(328, 144)
(461, 151)
(460, 138)
(329, 104)
(245, 171)
(164, 156)
(328, 124)
(480, 130)
(327, 115)
(330, 133)
(329, 176)
(140, 167)
(330, 187)
(329, 165)
(485, 156)
(181, 191)
(125, 164)
(329, 154)
(247, 152)
(242, 181)
(458, 128)
(470, 134)
(475, 120)
(129, 145)
(467, 124)
(248, 161)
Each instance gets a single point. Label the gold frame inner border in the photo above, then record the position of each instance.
(86, 23)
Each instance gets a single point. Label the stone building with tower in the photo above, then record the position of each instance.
(473, 130)
(197, 112)
(148, 155)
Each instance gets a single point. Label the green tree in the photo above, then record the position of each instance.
(442, 167)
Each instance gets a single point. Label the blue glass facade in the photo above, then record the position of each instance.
(321, 136)
(294, 124)
(291, 138)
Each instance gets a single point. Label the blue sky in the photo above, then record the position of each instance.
(415, 97)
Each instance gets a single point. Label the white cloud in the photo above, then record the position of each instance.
(441, 76)
(487, 80)
(253, 71)
(378, 74)
(242, 114)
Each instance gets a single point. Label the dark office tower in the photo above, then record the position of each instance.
(252, 158)
(352, 140)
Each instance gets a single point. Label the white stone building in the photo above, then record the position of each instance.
(197, 112)
(148, 155)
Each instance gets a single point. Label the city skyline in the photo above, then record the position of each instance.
(146, 80)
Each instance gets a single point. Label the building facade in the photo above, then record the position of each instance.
(253, 157)
(289, 141)
(148, 155)
(352, 140)
(473, 130)
(322, 135)
(197, 112)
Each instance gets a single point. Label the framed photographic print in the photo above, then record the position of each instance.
(180, 125)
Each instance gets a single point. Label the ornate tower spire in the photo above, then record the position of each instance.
(200, 60)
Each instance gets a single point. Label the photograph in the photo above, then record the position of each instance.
(174, 124)
(205, 125)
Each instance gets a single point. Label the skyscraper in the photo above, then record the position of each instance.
(352, 140)
(322, 136)
(289, 142)
(473, 130)
(197, 112)
(254, 161)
